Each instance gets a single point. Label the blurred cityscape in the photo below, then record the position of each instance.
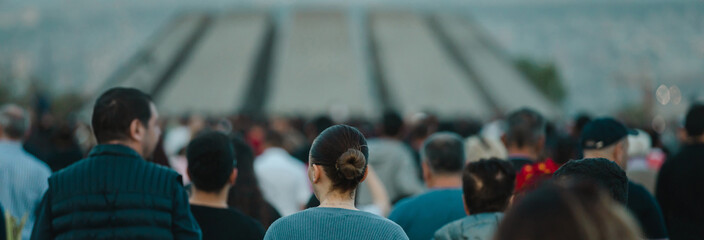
(247, 91)
(610, 57)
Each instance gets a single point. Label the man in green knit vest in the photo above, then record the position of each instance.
(114, 193)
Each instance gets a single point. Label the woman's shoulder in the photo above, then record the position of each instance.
(381, 225)
(384, 228)
(295, 219)
(315, 217)
(325, 214)
(387, 226)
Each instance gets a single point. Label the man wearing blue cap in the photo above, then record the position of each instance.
(607, 138)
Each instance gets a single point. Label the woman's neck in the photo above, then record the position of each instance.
(334, 199)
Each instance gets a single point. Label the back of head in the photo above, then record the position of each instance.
(211, 160)
(605, 138)
(14, 121)
(488, 185)
(392, 123)
(565, 150)
(246, 195)
(478, 147)
(115, 110)
(274, 138)
(598, 170)
(525, 127)
(244, 156)
(342, 152)
(694, 122)
(580, 212)
(320, 123)
(444, 153)
(602, 133)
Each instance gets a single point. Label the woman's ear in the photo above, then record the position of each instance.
(317, 170)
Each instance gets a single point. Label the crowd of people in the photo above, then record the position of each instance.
(519, 177)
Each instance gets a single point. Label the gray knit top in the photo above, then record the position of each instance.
(334, 223)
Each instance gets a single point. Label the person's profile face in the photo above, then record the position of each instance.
(153, 132)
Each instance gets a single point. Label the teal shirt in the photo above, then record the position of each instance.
(422, 215)
(481, 226)
(334, 223)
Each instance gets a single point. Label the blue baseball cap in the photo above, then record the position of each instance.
(603, 132)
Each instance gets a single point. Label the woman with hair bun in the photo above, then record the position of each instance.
(337, 164)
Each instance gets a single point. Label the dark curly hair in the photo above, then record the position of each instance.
(487, 185)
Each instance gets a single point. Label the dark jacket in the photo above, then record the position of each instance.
(3, 229)
(647, 211)
(115, 194)
(680, 191)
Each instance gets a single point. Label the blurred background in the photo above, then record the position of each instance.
(238, 63)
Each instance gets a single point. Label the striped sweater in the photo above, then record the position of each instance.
(115, 194)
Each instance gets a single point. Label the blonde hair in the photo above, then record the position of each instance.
(478, 147)
(581, 211)
(604, 219)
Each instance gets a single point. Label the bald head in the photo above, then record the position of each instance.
(14, 122)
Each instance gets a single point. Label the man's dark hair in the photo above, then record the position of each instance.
(321, 123)
(694, 123)
(392, 123)
(524, 127)
(274, 138)
(598, 170)
(211, 159)
(487, 185)
(565, 149)
(115, 110)
(444, 152)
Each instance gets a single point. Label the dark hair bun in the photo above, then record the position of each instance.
(350, 165)
(342, 152)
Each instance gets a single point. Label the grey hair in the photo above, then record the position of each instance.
(14, 121)
(444, 152)
(524, 127)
